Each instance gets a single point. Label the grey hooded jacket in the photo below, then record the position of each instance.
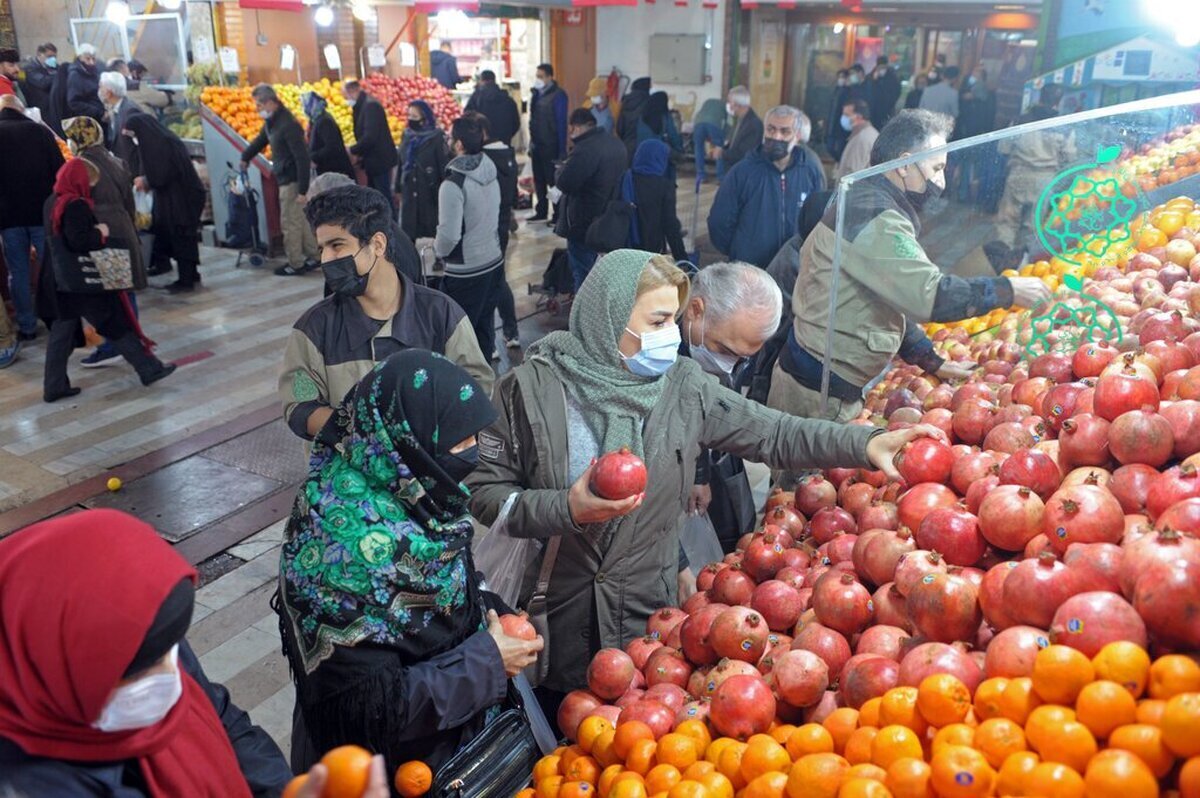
(468, 209)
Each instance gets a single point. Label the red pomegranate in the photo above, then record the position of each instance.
(843, 604)
(1036, 587)
(838, 550)
(610, 673)
(778, 496)
(1167, 597)
(828, 644)
(1029, 391)
(922, 499)
(732, 586)
(1082, 514)
(1092, 476)
(790, 520)
(1008, 437)
(694, 635)
(800, 678)
(726, 669)
(944, 608)
(1164, 327)
(925, 460)
(1184, 418)
(1141, 436)
(853, 497)
(1131, 485)
(672, 696)
(939, 417)
(1175, 356)
(971, 467)
(640, 650)
(1096, 565)
(1183, 516)
(663, 621)
(763, 558)
(1125, 390)
(1090, 621)
(890, 607)
(884, 640)
(991, 596)
(704, 578)
(618, 475)
(518, 626)
(1090, 359)
(1032, 469)
(979, 490)
(779, 605)
(1171, 486)
(654, 714)
(867, 676)
(882, 553)
(971, 420)
(632, 697)
(930, 658)
(879, 515)
(797, 558)
(953, 533)
(694, 710)
(828, 522)
(1144, 552)
(1011, 516)
(1054, 366)
(1083, 441)
(742, 707)
(667, 666)
(1010, 654)
(577, 705)
(739, 633)
(813, 493)
(1058, 404)
(915, 565)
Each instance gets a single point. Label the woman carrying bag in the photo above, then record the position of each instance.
(384, 624)
(75, 288)
(655, 226)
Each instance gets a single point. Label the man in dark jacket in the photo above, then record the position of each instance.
(39, 78)
(290, 165)
(755, 209)
(504, 119)
(373, 149)
(83, 83)
(25, 184)
(443, 66)
(547, 134)
(747, 129)
(632, 106)
(588, 180)
(883, 92)
(113, 91)
(505, 160)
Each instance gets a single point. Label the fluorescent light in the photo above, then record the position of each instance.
(362, 12)
(170, 5)
(1009, 8)
(1188, 37)
(117, 12)
(838, 27)
(323, 16)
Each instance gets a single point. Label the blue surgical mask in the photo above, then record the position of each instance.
(708, 360)
(660, 350)
(847, 123)
(52, 62)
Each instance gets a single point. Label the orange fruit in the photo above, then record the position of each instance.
(894, 742)
(1018, 699)
(1045, 721)
(899, 705)
(689, 789)
(1072, 745)
(858, 747)
(731, 765)
(678, 750)
(1150, 237)
(961, 772)
(768, 785)
(863, 788)
(662, 778)
(576, 789)
(988, 696)
(602, 749)
(1172, 675)
(607, 777)
(954, 734)
(816, 776)
(1147, 743)
(349, 768)
(1150, 710)
(1181, 725)
(1170, 222)
(629, 733)
(1189, 778)
(583, 768)
(782, 732)
(1059, 673)
(628, 788)
(811, 738)
(569, 755)
(1056, 779)
(764, 755)
(717, 785)
(943, 699)
(865, 770)
(413, 779)
(528, 792)
(294, 786)
(549, 787)
(1011, 780)
(998, 739)
(868, 713)
(909, 778)
(546, 767)
(1125, 663)
(1103, 706)
(698, 731)
(591, 728)
(840, 724)
(1119, 774)
(717, 747)
(641, 757)
(697, 769)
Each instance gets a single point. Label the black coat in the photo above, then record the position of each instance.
(590, 178)
(121, 145)
(39, 80)
(58, 98)
(632, 106)
(658, 224)
(505, 160)
(882, 95)
(289, 153)
(31, 161)
(327, 148)
(178, 193)
(373, 137)
(418, 183)
(747, 136)
(260, 760)
(504, 120)
(82, 84)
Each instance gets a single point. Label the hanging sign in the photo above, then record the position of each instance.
(229, 60)
(202, 50)
(376, 56)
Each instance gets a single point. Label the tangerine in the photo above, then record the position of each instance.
(641, 757)
(768, 785)
(811, 738)
(717, 785)
(576, 789)
(583, 768)
(1150, 710)
(602, 749)
(868, 713)
(546, 767)
(1125, 663)
(998, 739)
(782, 732)
(1018, 700)
(764, 755)
(662, 778)
(899, 705)
(961, 772)
(628, 788)
(1072, 745)
(697, 769)
(1181, 725)
(1147, 743)
(731, 765)
(698, 731)
(1060, 672)
(678, 750)
(628, 733)
(954, 734)
(294, 786)
(1054, 778)
(1045, 721)
(863, 788)
(349, 770)
(1119, 774)
(894, 742)
(1104, 705)
(607, 777)
(943, 699)
(591, 728)
(413, 779)
(1174, 674)
(689, 788)
(549, 787)
(865, 771)
(1014, 773)
(840, 724)
(1189, 778)
(816, 776)
(858, 747)
(988, 696)
(909, 778)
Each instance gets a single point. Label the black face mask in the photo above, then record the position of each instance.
(416, 125)
(918, 199)
(775, 150)
(342, 277)
(458, 465)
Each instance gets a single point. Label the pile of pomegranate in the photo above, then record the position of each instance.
(1063, 506)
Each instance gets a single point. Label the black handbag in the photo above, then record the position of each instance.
(610, 230)
(497, 763)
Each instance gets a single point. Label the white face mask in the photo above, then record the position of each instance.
(143, 703)
(709, 360)
(539, 84)
(597, 100)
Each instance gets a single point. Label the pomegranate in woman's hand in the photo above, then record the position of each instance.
(618, 475)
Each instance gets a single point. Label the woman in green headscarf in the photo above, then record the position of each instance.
(613, 380)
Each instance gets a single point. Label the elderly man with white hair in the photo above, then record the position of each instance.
(759, 200)
(732, 310)
(113, 92)
(729, 147)
(83, 83)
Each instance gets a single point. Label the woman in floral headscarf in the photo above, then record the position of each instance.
(383, 622)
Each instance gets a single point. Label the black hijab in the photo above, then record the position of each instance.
(657, 108)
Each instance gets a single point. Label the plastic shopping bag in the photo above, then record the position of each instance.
(504, 559)
(700, 543)
(143, 205)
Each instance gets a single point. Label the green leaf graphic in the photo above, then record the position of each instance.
(1107, 154)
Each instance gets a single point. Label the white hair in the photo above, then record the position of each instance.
(114, 82)
(800, 119)
(729, 289)
(739, 95)
(85, 49)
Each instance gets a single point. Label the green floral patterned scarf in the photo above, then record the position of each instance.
(378, 541)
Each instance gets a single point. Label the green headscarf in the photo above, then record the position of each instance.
(586, 357)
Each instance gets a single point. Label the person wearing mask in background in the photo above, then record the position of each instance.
(658, 123)
(733, 309)
(977, 115)
(504, 118)
(597, 103)
(547, 136)
(423, 159)
(373, 148)
(615, 380)
(835, 135)
(83, 85)
(10, 70)
(857, 86)
(648, 186)
(888, 287)
(326, 147)
(39, 79)
(883, 92)
(179, 196)
(31, 162)
(140, 91)
(504, 158)
(375, 309)
(857, 154)
(632, 106)
(588, 180)
(443, 67)
(919, 83)
(942, 97)
(290, 165)
(754, 212)
(364, 549)
(468, 240)
(100, 693)
(747, 130)
(118, 109)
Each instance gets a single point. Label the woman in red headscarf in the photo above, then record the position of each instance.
(99, 692)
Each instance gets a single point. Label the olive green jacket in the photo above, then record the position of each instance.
(608, 579)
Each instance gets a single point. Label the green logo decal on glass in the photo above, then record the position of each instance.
(1092, 322)
(1083, 212)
